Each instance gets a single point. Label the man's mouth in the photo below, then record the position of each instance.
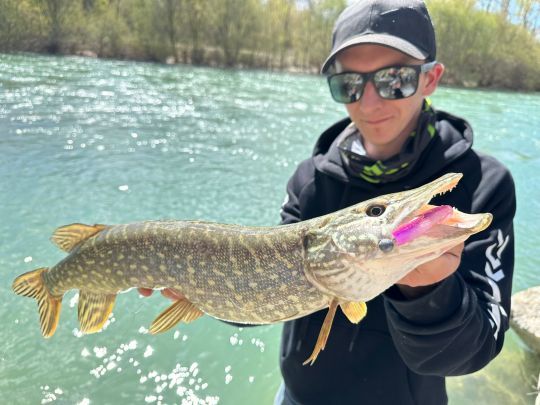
(377, 121)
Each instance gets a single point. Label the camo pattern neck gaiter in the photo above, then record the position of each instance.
(358, 164)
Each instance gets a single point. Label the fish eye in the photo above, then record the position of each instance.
(375, 210)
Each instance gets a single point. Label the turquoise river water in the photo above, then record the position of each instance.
(96, 141)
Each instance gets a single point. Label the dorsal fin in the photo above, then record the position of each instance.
(68, 236)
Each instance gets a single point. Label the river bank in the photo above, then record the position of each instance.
(213, 58)
(275, 35)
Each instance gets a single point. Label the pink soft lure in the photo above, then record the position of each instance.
(421, 224)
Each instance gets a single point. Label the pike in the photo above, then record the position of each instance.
(252, 275)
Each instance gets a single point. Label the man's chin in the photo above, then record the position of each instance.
(378, 139)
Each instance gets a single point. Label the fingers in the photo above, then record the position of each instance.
(166, 292)
(456, 250)
(172, 294)
(145, 292)
(435, 270)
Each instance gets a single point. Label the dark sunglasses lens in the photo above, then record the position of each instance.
(396, 83)
(346, 87)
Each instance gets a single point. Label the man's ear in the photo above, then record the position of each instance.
(431, 79)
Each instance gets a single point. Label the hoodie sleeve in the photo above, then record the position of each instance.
(458, 327)
(290, 209)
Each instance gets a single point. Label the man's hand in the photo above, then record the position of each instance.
(166, 292)
(421, 279)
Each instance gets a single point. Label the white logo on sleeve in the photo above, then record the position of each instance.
(495, 273)
(285, 201)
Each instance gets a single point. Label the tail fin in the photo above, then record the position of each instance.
(31, 285)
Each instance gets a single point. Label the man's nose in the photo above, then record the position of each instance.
(370, 99)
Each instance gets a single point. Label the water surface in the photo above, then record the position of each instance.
(96, 141)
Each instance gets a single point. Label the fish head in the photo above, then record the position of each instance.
(358, 252)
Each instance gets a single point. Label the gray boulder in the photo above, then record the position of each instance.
(525, 320)
(525, 316)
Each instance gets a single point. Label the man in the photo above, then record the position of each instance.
(447, 317)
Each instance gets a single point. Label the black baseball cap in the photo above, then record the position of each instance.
(404, 25)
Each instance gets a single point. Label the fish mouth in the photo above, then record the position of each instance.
(432, 224)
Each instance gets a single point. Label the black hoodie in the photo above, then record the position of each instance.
(402, 350)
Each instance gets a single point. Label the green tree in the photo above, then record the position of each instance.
(235, 23)
(466, 45)
(529, 13)
(316, 32)
(172, 10)
(58, 14)
(145, 22)
(276, 32)
(20, 25)
(105, 30)
(195, 22)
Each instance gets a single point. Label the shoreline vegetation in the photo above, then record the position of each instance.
(482, 43)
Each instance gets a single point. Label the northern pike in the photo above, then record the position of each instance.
(252, 275)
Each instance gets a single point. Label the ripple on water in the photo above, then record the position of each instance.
(97, 141)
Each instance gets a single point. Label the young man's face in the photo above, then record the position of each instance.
(385, 124)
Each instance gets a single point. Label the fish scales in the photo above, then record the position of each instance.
(252, 275)
(234, 273)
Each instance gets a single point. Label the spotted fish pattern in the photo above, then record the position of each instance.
(235, 273)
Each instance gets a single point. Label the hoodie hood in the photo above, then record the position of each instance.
(453, 139)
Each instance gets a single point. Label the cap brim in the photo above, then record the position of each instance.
(377, 39)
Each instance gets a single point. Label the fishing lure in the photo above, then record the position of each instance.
(421, 224)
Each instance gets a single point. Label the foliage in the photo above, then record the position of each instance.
(482, 48)
(488, 43)
(21, 25)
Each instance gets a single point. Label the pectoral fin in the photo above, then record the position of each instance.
(69, 236)
(94, 309)
(181, 310)
(324, 333)
(354, 311)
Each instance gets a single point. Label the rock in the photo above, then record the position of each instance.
(87, 54)
(525, 316)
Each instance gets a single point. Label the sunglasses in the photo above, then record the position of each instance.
(391, 83)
